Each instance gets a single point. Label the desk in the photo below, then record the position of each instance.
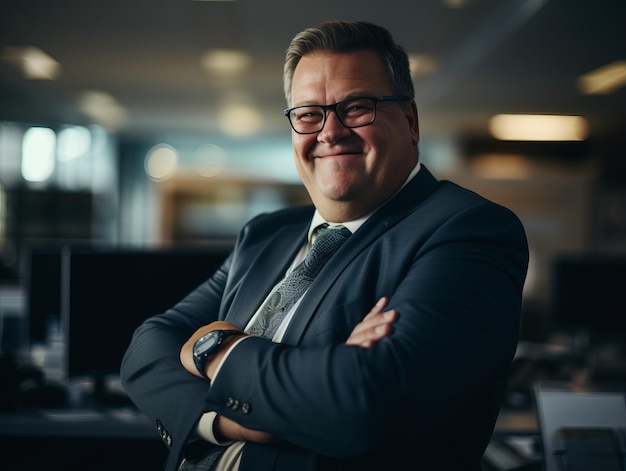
(516, 423)
(79, 439)
(101, 439)
(82, 423)
(515, 443)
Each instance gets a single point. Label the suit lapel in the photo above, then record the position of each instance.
(266, 270)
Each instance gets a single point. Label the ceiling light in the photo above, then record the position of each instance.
(225, 62)
(35, 64)
(161, 162)
(239, 120)
(422, 64)
(104, 109)
(604, 80)
(526, 127)
(454, 3)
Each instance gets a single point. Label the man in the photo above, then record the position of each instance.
(397, 354)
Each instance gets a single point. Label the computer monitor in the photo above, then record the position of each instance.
(107, 294)
(589, 294)
(42, 281)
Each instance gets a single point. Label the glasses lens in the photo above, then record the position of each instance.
(357, 112)
(307, 119)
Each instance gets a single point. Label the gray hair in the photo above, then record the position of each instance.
(345, 36)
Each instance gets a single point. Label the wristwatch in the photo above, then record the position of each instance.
(206, 345)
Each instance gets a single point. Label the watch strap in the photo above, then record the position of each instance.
(200, 360)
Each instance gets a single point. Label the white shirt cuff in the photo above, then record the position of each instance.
(206, 422)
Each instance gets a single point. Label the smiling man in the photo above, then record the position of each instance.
(371, 330)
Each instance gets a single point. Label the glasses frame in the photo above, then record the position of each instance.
(333, 107)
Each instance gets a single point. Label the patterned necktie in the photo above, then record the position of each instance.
(292, 288)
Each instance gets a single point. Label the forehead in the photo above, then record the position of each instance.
(339, 74)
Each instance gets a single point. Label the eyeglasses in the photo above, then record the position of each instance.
(352, 113)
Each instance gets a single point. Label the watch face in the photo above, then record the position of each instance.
(206, 343)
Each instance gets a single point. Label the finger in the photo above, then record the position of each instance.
(382, 328)
(373, 335)
(372, 318)
(378, 307)
(367, 333)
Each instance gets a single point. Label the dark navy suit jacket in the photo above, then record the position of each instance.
(453, 265)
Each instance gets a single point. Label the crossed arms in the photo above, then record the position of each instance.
(374, 326)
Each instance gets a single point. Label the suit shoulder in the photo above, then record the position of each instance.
(464, 195)
(453, 201)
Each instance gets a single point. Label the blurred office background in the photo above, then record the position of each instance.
(156, 124)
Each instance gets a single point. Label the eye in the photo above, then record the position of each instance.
(357, 107)
(308, 114)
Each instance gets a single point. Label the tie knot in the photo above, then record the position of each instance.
(327, 241)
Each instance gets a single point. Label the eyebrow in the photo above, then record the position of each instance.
(348, 97)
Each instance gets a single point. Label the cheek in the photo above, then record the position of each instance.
(301, 162)
(301, 145)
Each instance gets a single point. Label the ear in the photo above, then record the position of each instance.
(413, 120)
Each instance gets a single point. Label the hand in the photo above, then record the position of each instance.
(186, 351)
(374, 326)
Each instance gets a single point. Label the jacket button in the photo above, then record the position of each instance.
(232, 403)
(166, 437)
(245, 408)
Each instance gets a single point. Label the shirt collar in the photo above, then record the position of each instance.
(352, 226)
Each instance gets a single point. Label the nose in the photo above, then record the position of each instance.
(333, 130)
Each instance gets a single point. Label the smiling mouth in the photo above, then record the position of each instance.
(343, 153)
